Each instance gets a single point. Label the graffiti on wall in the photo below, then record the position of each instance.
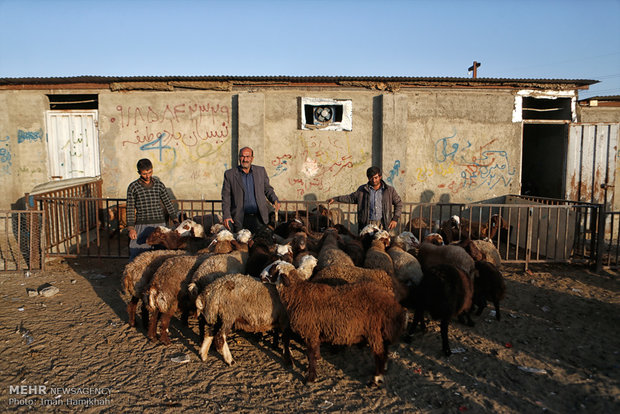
(169, 127)
(5, 156)
(322, 161)
(29, 136)
(484, 166)
(394, 172)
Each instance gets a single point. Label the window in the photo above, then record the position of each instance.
(327, 114)
(66, 102)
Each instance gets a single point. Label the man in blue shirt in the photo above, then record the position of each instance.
(245, 192)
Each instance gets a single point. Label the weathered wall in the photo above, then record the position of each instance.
(599, 114)
(435, 145)
(463, 146)
(315, 164)
(23, 152)
(187, 136)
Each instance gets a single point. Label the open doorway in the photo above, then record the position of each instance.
(544, 160)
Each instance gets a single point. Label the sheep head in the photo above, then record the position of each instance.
(157, 236)
(285, 252)
(383, 237)
(434, 238)
(190, 228)
(216, 228)
(244, 236)
(277, 272)
(370, 229)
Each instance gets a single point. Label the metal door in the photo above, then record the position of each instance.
(591, 163)
(73, 144)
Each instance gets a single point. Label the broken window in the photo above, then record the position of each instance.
(328, 114)
(67, 102)
(558, 109)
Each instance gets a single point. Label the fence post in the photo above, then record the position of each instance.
(600, 238)
(528, 237)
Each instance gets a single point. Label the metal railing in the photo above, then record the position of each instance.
(534, 231)
(21, 240)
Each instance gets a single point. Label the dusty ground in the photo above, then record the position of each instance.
(562, 322)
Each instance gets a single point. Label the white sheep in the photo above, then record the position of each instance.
(407, 269)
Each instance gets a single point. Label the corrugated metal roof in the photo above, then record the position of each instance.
(614, 98)
(288, 79)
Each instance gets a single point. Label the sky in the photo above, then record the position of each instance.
(541, 39)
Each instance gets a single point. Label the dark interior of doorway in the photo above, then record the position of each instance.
(544, 155)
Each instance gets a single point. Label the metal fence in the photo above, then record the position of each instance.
(21, 240)
(535, 230)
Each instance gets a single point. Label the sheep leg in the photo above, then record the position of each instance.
(204, 349)
(496, 303)
(314, 354)
(201, 326)
(131, 311)
(222, 346)
(465, 318)
(165, 322)
(286, 340)
(152, 331)
(381, 357)
(145, 316)
(444, 336)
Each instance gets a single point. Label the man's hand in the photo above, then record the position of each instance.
(392, 225)
(133, 234)
(277, 206)
(330, 201)
(228, 222)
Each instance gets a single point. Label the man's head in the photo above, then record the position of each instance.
(246, 156)
(374, 177)
(145, 169)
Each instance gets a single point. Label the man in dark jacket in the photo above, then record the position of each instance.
(245, 193)
(374, 200)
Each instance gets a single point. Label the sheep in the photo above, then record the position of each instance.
(445, 291)
(338, 275)
(217, 265)
(330, 252)
(190, 228)
(244, 303)
(224, 242)
(431, 255)
(407, 269)
(168, 292)
(340, 315)
(352, 245)
(376, 256)
(489, 252)
(172, 240)
(261, 253)
(488, 285)
(138, 274)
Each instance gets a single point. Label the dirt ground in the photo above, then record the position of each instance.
(556, 350)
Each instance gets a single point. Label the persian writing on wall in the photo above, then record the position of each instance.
(318, 164)
(475, 166)
(163, 130)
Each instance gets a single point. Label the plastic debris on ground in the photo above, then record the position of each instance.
(181, 359)
(532, 370)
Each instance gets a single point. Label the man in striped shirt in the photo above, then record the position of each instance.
(146, 199)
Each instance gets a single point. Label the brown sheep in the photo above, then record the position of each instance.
(339, 315)
(137, 276)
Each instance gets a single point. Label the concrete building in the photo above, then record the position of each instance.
(436, 139)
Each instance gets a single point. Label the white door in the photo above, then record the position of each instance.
(72, 144)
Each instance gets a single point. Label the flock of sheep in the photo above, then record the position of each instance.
(318, 287)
